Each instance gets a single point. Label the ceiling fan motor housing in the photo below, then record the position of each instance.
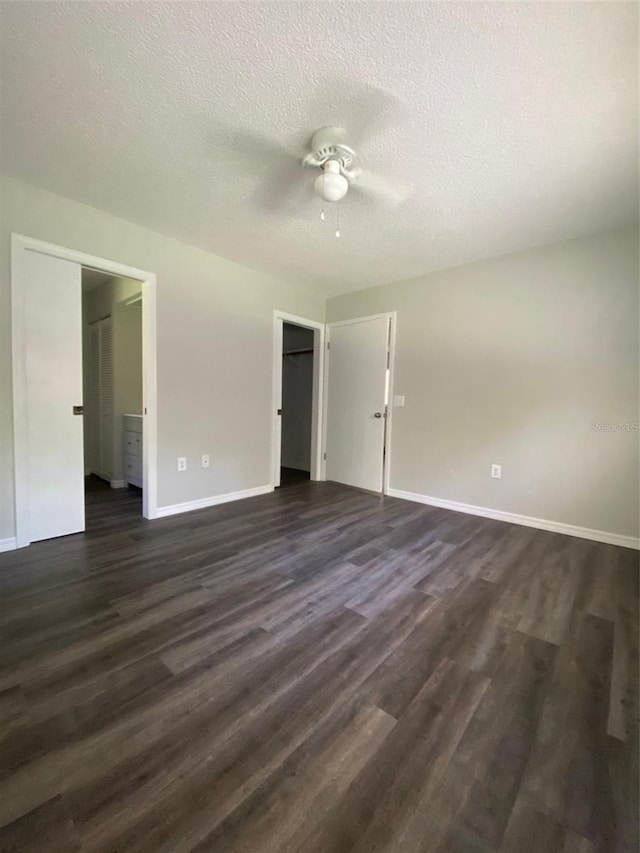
(337, 161)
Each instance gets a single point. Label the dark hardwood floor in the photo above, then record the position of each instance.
(317, 670)
(289, 476)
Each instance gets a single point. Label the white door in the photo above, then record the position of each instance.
(356, 402)
(53, 360)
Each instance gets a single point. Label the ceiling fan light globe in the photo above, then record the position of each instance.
(331, 186)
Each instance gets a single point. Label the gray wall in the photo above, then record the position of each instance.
(511, 361)
(297, 398)
(214, 339)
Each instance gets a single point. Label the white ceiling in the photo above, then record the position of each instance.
(518, 123)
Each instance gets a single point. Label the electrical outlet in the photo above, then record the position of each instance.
(182, 463)
(496, 472)
(204, 460)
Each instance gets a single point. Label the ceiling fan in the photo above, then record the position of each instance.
(340, 170)
(330, 153)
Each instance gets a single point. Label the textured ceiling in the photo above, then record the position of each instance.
(517, 123)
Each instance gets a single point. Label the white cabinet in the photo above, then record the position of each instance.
(132, 447)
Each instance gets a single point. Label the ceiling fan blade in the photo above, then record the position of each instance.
(288, 192)
(377, 187)
(364, 110)
(251, 144)
(372, 111)
(246, 150)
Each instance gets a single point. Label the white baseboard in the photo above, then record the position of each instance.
(8, 544)
(202, 503)
(118, 484)
(525, 520)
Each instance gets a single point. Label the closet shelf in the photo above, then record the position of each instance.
(298, 351)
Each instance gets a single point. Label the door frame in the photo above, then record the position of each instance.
(386, 462)
(317, 407)
(19, 245)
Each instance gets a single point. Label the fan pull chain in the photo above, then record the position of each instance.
(337, 221)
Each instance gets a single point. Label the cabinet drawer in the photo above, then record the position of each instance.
(132, 423)
(133, 470)
(132, 443)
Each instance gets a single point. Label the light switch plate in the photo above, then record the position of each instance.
(398, 400)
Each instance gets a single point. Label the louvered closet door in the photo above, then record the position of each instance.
(92, 403)
(106, 398)
(99, 403)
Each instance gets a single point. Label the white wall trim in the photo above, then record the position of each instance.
(317, 443)
(525, 520)
(389, 419)
(203, 503)
(19, 245)
(8, 544)
(384, 316)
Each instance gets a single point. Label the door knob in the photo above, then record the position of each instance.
(378, 415)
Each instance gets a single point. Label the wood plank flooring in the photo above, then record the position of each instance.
(317, 670)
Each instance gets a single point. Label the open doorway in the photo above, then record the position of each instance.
(298, 388)
(113, 395)
(297, 403)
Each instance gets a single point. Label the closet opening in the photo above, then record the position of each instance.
(297, 403)
(113, 410)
